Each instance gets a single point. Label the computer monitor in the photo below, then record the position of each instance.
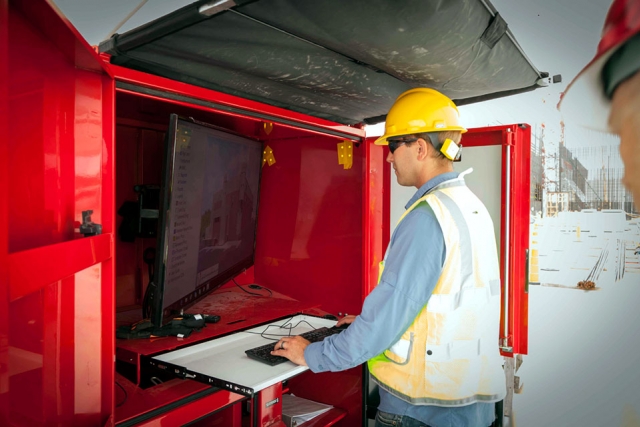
(208, 213)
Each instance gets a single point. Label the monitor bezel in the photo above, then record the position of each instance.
(159, 312)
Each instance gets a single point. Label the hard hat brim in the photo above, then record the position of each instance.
(383, 139)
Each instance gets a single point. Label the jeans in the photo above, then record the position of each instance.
(383, 420)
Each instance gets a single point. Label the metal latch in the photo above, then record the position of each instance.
(504, 345)
(88, 227)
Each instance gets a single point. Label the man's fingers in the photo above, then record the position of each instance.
(293, 349)
(280, 345)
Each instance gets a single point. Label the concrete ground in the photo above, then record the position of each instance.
(583, 366)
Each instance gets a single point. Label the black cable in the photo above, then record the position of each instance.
(296, 325)
(253, 293)
(285, 325)
(126, 396)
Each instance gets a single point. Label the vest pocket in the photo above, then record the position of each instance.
(400, 352)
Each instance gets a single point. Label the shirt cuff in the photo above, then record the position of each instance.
(313, 357)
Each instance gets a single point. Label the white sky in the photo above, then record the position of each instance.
(559, 37)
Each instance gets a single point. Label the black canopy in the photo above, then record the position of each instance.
(343, 60)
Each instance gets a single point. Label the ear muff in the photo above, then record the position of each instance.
(450, 149)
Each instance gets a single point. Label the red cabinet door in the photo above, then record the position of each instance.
(57, 301)
(376, 207)
(501, 158)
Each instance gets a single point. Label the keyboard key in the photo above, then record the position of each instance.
(263, 353)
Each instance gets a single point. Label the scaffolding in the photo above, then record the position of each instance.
(583, 177)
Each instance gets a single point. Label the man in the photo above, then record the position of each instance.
(609, 88)
(429, 330)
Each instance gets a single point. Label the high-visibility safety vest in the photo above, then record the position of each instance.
(450, 356)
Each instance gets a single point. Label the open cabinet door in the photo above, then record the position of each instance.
(4, 274)
(57, 304)
(501, 160)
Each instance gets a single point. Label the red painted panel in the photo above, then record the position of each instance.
(138, 161)
(55, 374)
(151, 151)
(386, 206)
(106, 290)
(60, 159)
(56, 28)
(184, 414)
(127, 261)
(309, 242)
(518, 138)
(87, 364)
(56, 143)
(57, 330)
(229, 417)
(107, 341)
(377, 210)
(87, 152)
(340, 389)
(35, 219)
(54, 263)
(4, 197)
(479, 137)
(318, 191)
(237, 310)
(132, 401)
(375, 188)
(521, 205)
(269, 407)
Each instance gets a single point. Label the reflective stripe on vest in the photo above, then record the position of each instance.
(449, 356)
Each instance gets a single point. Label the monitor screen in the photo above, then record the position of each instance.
(208, 213)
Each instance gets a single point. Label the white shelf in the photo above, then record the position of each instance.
(222, 362)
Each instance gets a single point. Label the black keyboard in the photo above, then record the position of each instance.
(263, 353)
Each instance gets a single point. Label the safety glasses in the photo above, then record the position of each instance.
(394, 143)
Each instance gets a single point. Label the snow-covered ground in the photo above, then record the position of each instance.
(583, 366)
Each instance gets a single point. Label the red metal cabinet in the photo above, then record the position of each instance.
(57, 339)
(310, 227)
(4, 202)
(58, 158)
(514, 143)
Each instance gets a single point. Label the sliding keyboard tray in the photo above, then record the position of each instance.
(222, 362)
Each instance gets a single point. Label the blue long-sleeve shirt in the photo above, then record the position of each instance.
(413, 265)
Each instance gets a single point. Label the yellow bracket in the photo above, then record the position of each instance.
(267, 156)
(345, 154)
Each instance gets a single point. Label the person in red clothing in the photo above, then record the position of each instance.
(605, 95)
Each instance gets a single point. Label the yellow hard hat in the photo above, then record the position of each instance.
(420, 110)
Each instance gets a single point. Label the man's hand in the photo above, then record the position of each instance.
(292, 348)
(346, 320)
